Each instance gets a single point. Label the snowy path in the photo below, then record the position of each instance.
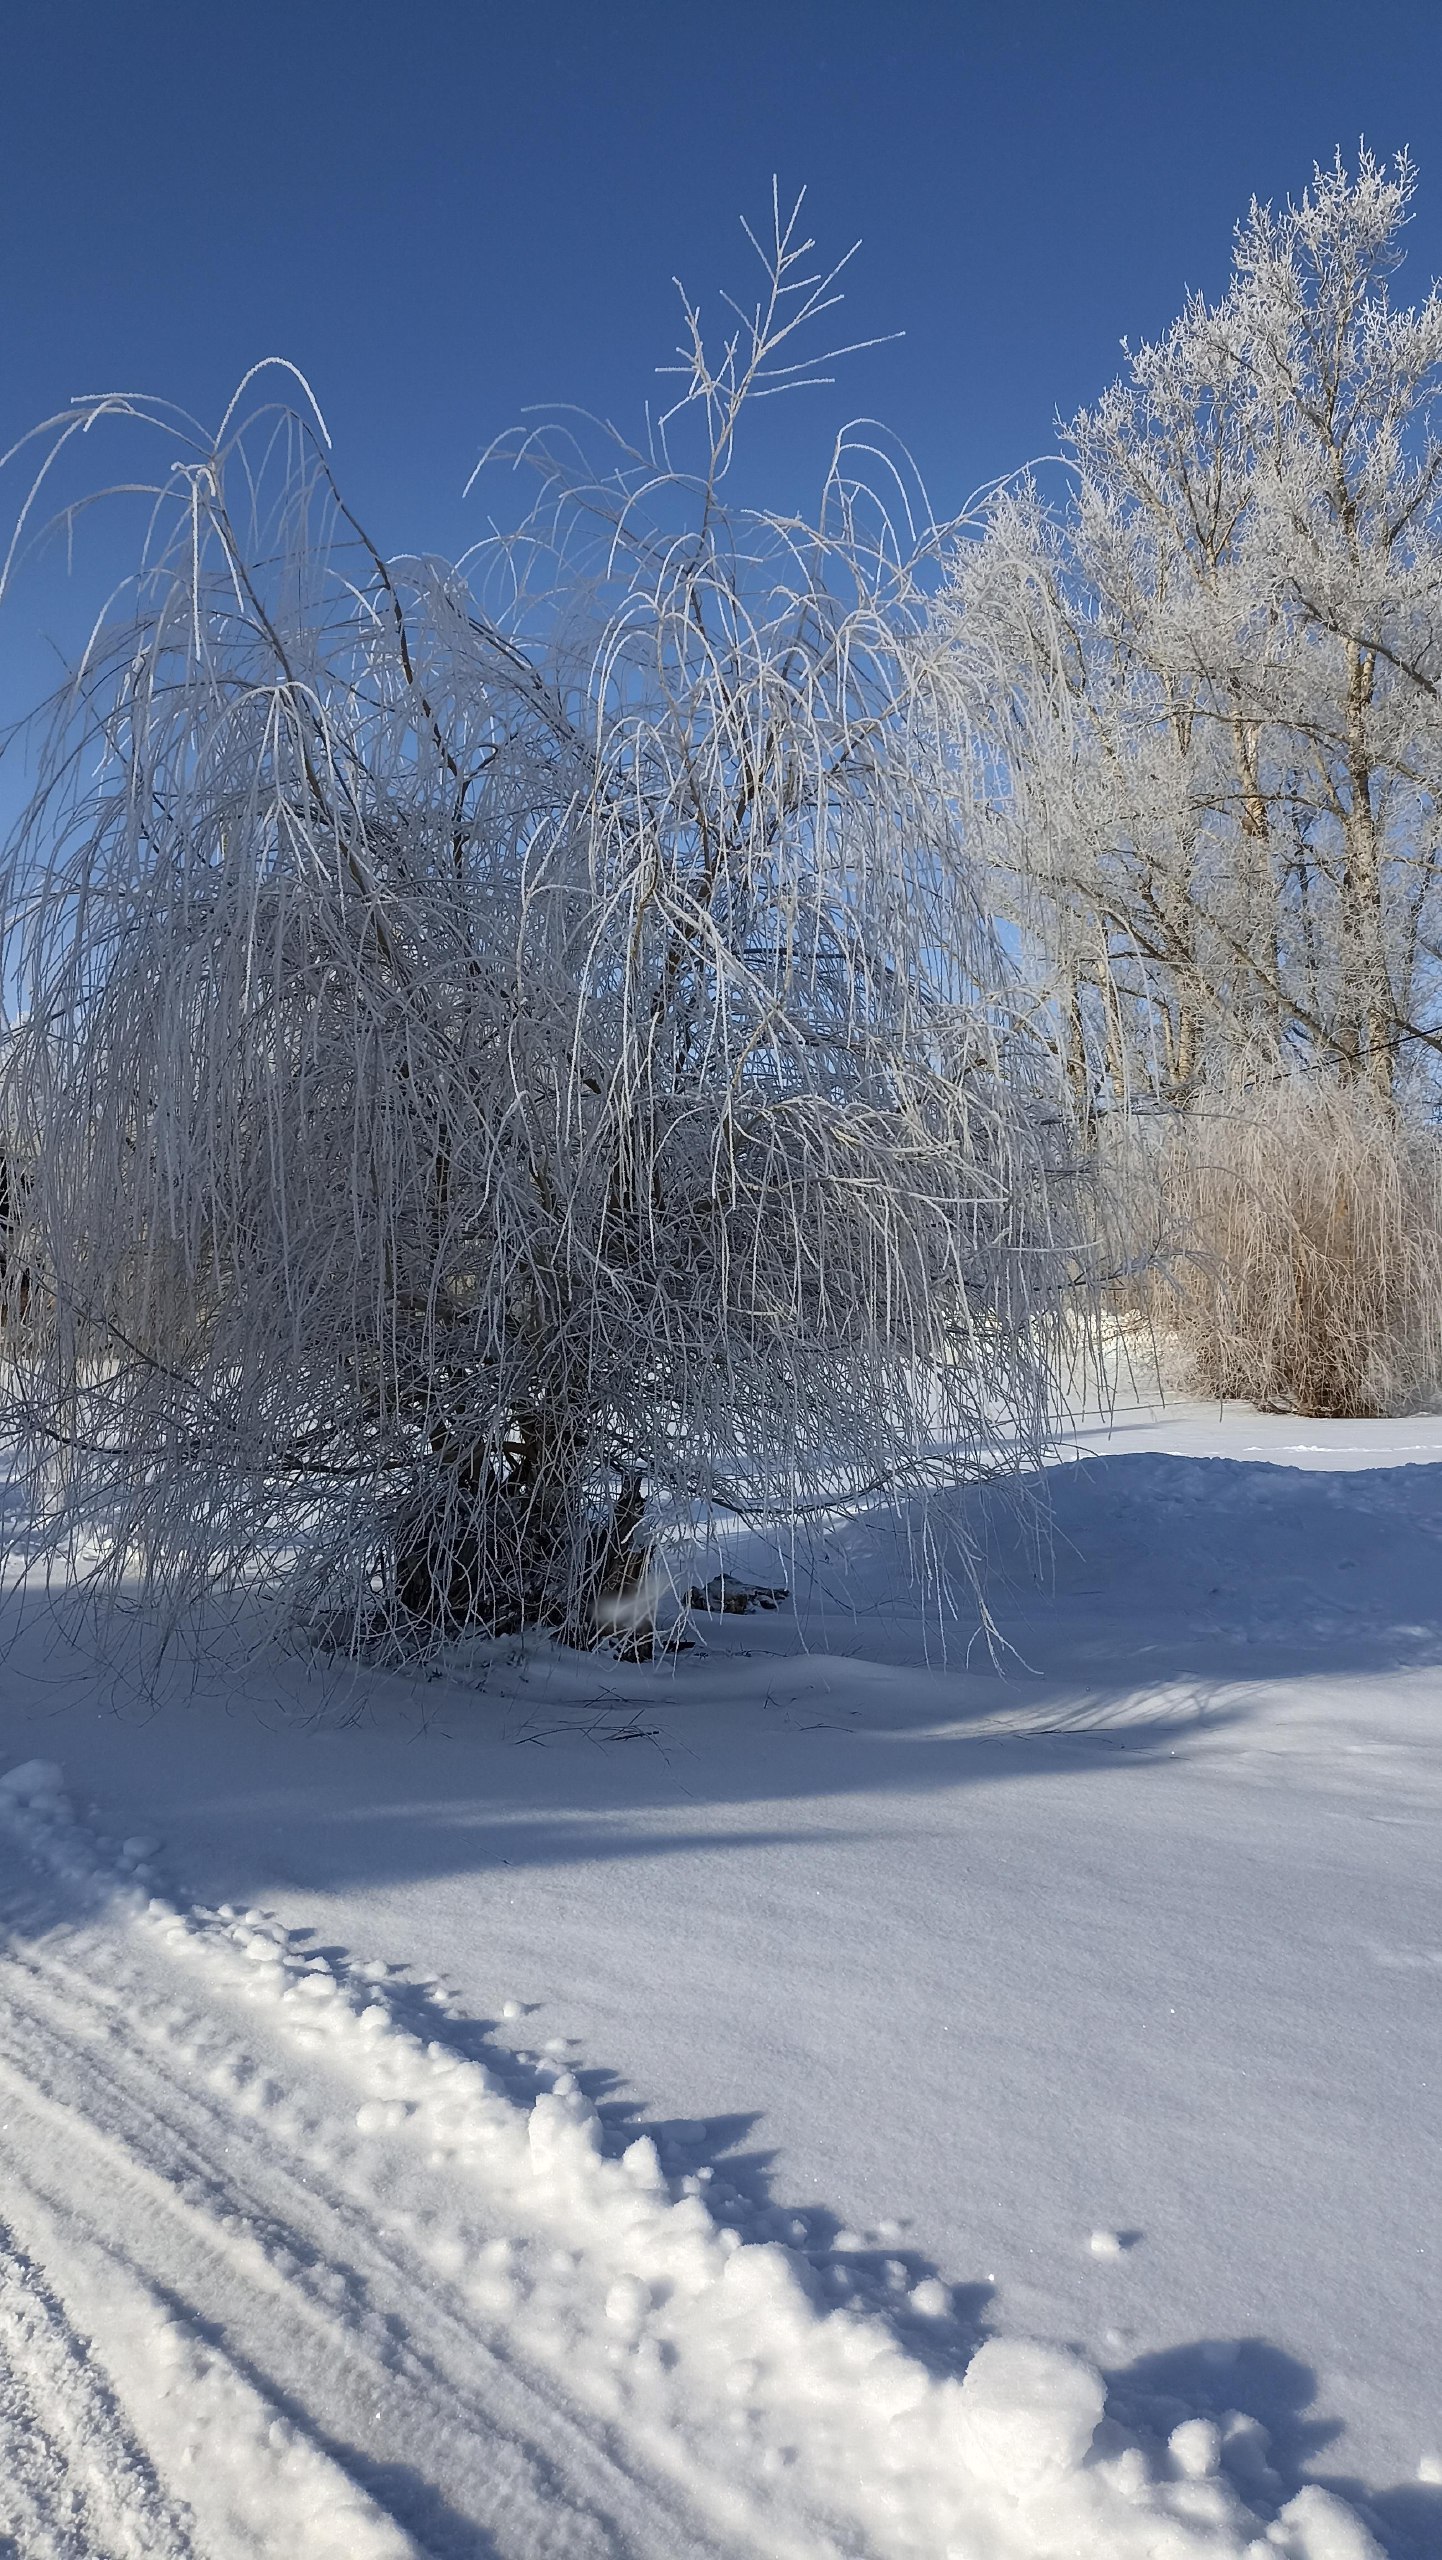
(282, 2271)
(246, 2266)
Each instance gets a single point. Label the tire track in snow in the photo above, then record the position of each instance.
(349, 2300)
(326, 2327)
(183, 2216)
(74, 2484)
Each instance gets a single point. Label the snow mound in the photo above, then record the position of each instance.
(1028, 2413)
(32, 1781)
(1316, 2526)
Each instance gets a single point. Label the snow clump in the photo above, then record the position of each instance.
(1027, 2413)
(1316, 2526)
(33, 1781)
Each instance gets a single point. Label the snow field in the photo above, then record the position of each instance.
(316, 2282)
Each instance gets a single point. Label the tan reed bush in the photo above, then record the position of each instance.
(1288, 1239)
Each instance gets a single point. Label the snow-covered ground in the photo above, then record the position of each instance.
(579, 2110)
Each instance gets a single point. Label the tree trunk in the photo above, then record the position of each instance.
(1367, 991)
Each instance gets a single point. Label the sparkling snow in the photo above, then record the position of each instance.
(831, 2096)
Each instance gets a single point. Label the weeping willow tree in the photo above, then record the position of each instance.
(498, 1050)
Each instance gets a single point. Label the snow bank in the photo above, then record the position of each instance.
(779, 2424)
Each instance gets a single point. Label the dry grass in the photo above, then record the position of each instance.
(1295, 1237)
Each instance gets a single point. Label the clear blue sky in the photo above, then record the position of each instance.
(446, 209)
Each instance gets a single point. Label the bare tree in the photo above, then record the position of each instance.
(498, 1050)
(1209, 679)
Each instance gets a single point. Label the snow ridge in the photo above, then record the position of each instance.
(282, 2272)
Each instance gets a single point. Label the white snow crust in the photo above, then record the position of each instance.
(1092, 2002)
(188, 2209)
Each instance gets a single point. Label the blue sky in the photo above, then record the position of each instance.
(447, 209)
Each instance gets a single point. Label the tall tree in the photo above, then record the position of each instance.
(1209, 677)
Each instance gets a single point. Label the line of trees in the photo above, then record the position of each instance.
(631, 1025)
(1206, 683)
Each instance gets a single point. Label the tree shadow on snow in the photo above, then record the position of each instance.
(1144, 1599)
(279, 1774)
(1140, 1569)
(1208, 1569)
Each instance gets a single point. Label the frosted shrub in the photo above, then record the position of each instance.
(497, 1050)
(1305, 1224)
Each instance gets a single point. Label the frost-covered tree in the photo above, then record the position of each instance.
(1208, 680)
(497, 1050)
